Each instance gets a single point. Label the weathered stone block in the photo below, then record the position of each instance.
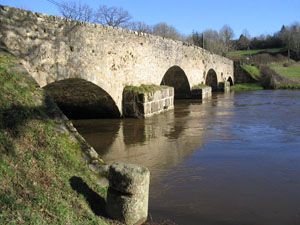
(128, 193)
(129, 178)
(154, 107)
(131, 210)
(224, 86)
(141, 105)
(201, 92)
(147, 108)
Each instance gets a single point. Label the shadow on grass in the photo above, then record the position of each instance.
(95, 201)
(14, 118)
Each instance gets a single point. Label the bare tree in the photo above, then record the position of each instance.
(212, 42)
(295, 38)
(290, 35)
(112, 16)
(195, 38)
(140, 27)
(246, 34)
(226, 34)
(166, 31)
(76, 11)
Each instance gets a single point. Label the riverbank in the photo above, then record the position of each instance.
(43, 175)
(268, 69)
(247, 87)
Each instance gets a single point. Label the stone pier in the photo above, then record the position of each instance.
(201, 92)
(224, 86)
(145, 101)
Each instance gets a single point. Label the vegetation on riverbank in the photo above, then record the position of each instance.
(247, 87)
(43, 177)
(287, 70)
(268, 67)
(143, 89)
(253, 71)
(249, 53)
(200, 86)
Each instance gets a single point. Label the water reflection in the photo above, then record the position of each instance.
(101, 134)
(159, 142)
(234, 159)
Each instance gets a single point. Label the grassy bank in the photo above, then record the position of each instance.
(291, 71)
(246, 87)
(43, 177)
(252, 52)
(269, 67)
(253, 71)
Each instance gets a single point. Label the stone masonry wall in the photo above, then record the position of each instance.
(53, 49)
(142, 105)
(202, 93)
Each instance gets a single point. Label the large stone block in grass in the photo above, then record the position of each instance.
(131, 210)
(128, 193)
(128, 178)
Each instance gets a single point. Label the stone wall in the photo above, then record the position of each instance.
(56, 49)
(241, 76)
(202, 93)
(142, 105)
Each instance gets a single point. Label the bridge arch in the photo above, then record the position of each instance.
(176, 77)
(212, 80)
(81, 99)
(230, 80)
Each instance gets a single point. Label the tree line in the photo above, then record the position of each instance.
(219, 42)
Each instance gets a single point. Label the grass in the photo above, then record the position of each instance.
(199, 86)
(245, 53)
(252, 70)
(38, 158)
(246, 87)
(288, 86)
(142, 89)
(292, 71)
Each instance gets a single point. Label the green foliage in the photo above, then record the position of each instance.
(292, 71)
(199, 86)
(246, 53)
(288, 86)
(37, 158)
(246, 87)
(252, 70)
(143, 89)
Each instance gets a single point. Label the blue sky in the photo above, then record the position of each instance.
(257, 16)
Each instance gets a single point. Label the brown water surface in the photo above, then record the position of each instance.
(234, 160)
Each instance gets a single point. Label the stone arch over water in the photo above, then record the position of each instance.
(176, 77)
(230, 81)
(81, 99)
(212, 80)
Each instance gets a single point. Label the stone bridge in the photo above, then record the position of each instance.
(93, 63)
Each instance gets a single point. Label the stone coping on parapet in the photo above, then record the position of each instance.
(118, 29)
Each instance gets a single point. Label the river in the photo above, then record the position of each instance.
(232, 160)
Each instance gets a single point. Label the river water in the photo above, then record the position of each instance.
(233, 160)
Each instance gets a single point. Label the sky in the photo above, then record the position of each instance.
(257, 16)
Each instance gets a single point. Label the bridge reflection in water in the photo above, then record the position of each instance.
(231, 160)
(160, 142)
